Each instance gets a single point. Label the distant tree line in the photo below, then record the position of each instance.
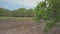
(21, 12)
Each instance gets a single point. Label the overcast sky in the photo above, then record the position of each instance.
(15, 4)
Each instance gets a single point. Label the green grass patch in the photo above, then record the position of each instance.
(16, 18)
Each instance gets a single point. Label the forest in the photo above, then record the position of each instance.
(21, 12)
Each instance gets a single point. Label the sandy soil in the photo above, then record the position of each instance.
(19, 27)
(23, 27)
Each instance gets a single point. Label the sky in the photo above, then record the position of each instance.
(15, 4)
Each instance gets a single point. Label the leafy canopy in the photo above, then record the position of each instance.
(48, 10)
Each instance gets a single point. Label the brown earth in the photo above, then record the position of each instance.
(19, 27)
(22, 27)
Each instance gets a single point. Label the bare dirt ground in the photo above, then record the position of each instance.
(20, 27)
(23, 27)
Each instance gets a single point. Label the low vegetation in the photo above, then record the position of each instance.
(16, 18)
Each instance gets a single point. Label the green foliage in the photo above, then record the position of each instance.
(3, 12)
(48, 10)
(21, 12)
